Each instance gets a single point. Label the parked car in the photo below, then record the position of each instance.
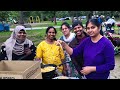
(67, 18)
(61, 19)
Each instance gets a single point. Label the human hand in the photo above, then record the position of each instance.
(60, 43)
(27, 51)
(88, 69)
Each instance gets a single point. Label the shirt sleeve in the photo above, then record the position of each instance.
(39, 51)
(109, 59)
(78, 50)
(62, 53)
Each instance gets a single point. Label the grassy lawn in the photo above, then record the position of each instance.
(48, 23)
(35, 35)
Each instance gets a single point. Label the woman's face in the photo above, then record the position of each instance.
(65, 30)
(78, 30)
(21, 35)
(51, 34)
(92, 30)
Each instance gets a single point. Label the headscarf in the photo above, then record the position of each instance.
(70, 38)
(9, 44)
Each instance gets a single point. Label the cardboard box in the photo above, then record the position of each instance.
(18, 69)
(36, 75)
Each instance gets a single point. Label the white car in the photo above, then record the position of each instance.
(61, 19)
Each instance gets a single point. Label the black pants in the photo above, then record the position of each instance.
(108, 26)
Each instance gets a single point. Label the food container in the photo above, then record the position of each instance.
(49, 74)
(65, 77)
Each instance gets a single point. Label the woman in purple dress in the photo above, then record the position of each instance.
(97, 52)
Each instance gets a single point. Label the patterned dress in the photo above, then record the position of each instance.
(69, 68)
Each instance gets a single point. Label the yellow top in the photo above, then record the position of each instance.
(50, 54)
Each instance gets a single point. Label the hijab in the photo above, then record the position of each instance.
(9, 43)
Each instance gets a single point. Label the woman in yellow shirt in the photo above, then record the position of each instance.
(48, 51)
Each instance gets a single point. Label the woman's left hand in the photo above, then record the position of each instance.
(88, 69)
(27, 51)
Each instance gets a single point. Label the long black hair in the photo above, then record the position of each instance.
(75, 23)
(49, 27)
(66, 24)
(96, 23)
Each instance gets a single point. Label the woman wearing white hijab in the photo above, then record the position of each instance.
(18, 47)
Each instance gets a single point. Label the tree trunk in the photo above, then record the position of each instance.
(21, 20)
(55, 20)
(55, 17)
(90, 15)
(41, 16)
(72, 19)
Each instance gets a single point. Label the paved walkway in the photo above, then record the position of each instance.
(115, 74)
(11, 29)
(34, 28)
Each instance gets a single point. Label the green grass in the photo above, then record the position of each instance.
(48, 23)
(4, 33)
(35, 35)
(4, 36)
(38, 35)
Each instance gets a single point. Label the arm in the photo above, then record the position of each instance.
(109, 59)
(38, 52)
(68, 49)
(3, 55)
(88, 69)
(33, 52)
(29, 53)
(78, 50)
(62, 55)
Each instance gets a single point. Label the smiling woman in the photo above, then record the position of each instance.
(97, 52)
(13, 48)
(48, 51)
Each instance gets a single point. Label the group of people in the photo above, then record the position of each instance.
(86, 54)
(110, 23)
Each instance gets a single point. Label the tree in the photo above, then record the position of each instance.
(90, 14)
(72, 14)
(4, 15)
(51, 14)
(21, 20)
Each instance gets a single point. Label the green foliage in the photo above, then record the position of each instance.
(3, 15)
(50, 14)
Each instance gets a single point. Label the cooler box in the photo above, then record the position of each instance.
(1, 27)
(6, 27)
